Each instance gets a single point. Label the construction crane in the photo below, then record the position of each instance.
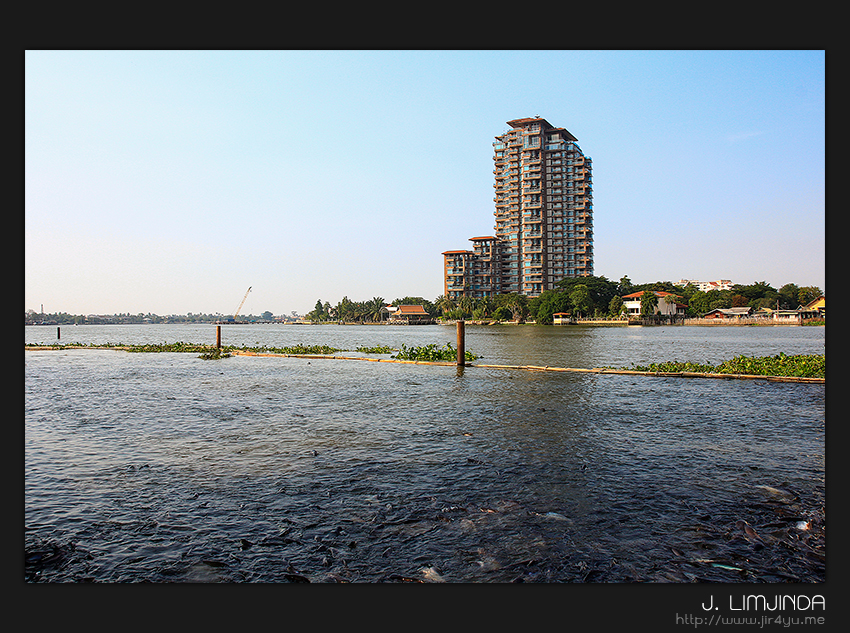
(236, 314)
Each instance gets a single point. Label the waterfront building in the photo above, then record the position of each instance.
(406, 314)
(544, 217)
(706, 286)
(667, 304)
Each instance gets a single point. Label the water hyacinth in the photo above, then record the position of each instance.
(432, 353)
(799, 365)
(429, 352)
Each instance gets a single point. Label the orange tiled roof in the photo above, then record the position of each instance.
(658, 293)
(411, 310)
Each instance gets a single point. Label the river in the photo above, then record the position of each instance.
(163, 467)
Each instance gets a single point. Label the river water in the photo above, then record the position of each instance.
(164, 467)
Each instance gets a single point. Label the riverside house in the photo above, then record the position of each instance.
(816, 310)
(667, 304)
(728, 313)
(409, 314)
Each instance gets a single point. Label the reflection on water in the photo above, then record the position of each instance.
(165, 467)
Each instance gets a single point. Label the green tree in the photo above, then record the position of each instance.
(580, 299)
(516, 303)
(600, 290)
(808, 294)
(483, 308)
(344, 310)
(550, 302)
(754, 292)
(466, 304)
(648, 303)
(686, 292)
(444, 304)
(616, 306)
(502, 313)
(789, 296)
(319, 313)
(374, 308)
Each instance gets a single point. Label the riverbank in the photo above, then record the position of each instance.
(653, 322)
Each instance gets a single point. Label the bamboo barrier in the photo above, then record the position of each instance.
(597, 370)
(663, 374)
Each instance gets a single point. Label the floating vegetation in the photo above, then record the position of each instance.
(380, 349)
(166, 347)
(425, 353)
(800, 366)
(294, 349)
(431, 352)
(214, 354)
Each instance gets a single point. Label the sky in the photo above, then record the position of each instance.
(169, 182)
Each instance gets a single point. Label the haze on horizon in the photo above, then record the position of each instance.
(168, 182)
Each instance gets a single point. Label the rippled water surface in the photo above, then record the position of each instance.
(164, 467)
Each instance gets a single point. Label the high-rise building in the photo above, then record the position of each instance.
(544, 217)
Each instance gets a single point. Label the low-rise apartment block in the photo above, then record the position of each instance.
(705, 286)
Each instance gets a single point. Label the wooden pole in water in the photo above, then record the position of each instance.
(58, 333)
(218, 337)
(461, 343)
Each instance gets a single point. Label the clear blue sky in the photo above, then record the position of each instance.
(170, 181)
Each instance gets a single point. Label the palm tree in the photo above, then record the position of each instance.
(486, 306)
(444, 304)
(648, 303)
(374, 308)
(518, 305)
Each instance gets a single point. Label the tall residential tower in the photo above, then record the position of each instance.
(544, 217)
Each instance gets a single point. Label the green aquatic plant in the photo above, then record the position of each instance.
(301, 349)
(168, 347)
(429, 352)
(214, 354)
(380, 349)
(432, 352)
(799, 366)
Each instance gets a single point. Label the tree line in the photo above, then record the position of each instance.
(362, 311)
(581, 296)
(31, 317)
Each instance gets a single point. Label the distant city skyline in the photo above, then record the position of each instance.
(168, 182)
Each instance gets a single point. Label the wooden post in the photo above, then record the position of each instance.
(218, 337)
(58, 333)
(461, 343)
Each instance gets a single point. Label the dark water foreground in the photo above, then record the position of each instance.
(167, 468)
